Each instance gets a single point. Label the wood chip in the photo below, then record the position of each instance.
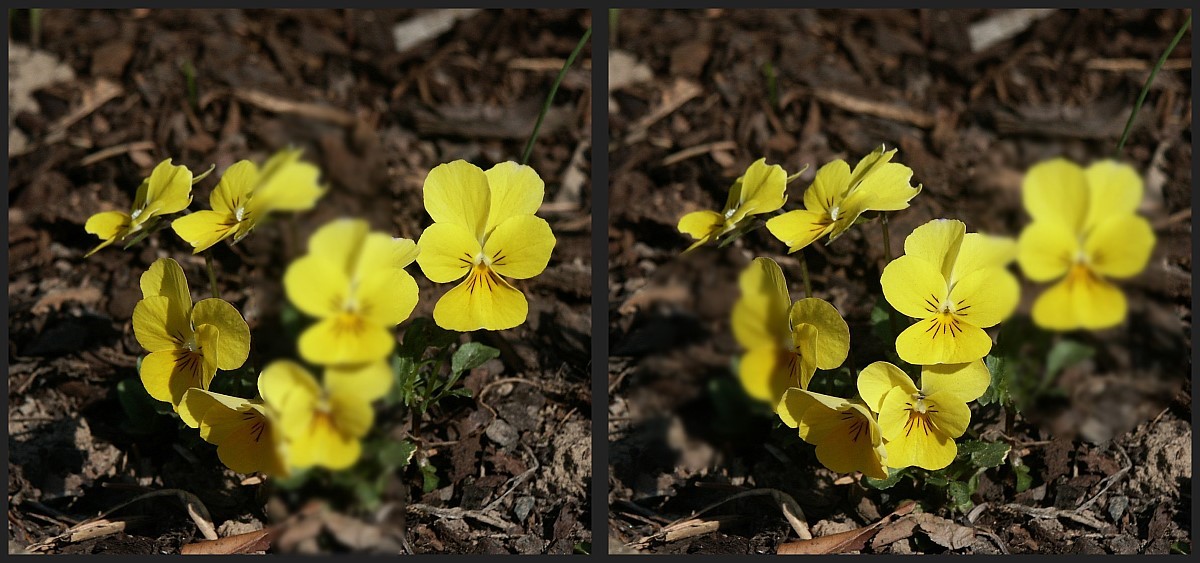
(891, 112)
(1006, 24)
(275, 104)
(853, 540)
(257, 541)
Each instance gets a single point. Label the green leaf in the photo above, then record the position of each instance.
(291, 320)
(396, 455)
(893, 477)
(959, 494)
(429, 477)
(470, 356)
(937, 479)
(983, 455)
(406, 371)
(1064, 354)
(583, 548)
(422, 334)
(1024, 479)
(1002, 375)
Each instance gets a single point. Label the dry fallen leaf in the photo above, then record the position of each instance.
(249, 542)
(853, 540)
(943, 532)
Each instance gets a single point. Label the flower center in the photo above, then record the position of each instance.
(833, 213)
(136, 213)
(240, 213)
(920, 413)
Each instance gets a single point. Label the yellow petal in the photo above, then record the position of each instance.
(1114, 190)
(352, 415)
(1055, 191)
(447, 252)
(813, 414)
(520, 246)
(316, 286)
(702, 225)
(320, 443)
(169, 189)
(870, 163)
(828, 187)
(763, 189)
(1120, 246)
(205, 407)
(345, 338)
(253, 445)
(979, 251)
(1046, 250)
(802, 362)
(965, 382)
(800, 228)
(366, 382)
(381, 252)
(888, 187)
(285, 183)
(290, 390)
(165, 277)
(387, 297)
(235, 187)
(765, 373)
(760, 314)
(168, 374)
(939, 341)
(203, 229)
(339, 243)
(833, 335)
(109, 226)
(1081, 300)
(913, 439)
(878, 379)
(848, 446)
(482, 301)
(234, 344)
(153, 327)
(913, 286)
(985, 297)
(948, 413)
(516, 190)
(937, 242)
(457, 193)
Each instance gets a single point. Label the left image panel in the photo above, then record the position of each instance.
(299, 281)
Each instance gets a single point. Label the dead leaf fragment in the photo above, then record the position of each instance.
(943, 532)
(853, 540)
(249, 542)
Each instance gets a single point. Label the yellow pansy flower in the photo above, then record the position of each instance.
(761, 189)
(838, 195)
(955, 284)
(167, 190)
(845, 433)
(247, 436)
(919, 425)
(353, 280)
(187, 343)
(1085, 231)
(247, 194)
(368, 381)
(483, 228)
(323, 426)
(785, 342)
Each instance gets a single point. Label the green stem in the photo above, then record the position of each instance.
(808, 292)
(1137, 106)
(212, 274)
(537, 127)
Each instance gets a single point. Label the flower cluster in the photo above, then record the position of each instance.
(951, 284)
(352, 281)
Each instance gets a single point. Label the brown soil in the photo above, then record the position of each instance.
(383, 119)
(682, 436)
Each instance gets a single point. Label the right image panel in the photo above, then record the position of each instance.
(900, 281)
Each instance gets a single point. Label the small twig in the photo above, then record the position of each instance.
(890, 112)
(1109, 481)
(116, 150)
(516, 481)
(273, 104)
(698, 150)
(995, 539)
